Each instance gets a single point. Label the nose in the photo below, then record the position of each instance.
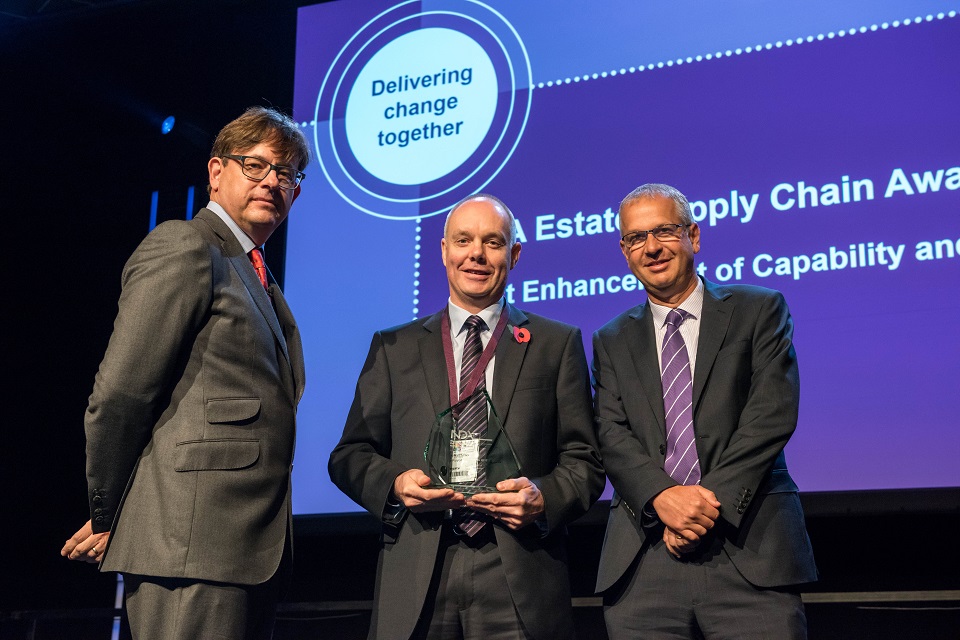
(272, 180)
(651, 245)
(476, 251)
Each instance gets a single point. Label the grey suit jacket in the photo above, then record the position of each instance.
(746, 394)
(190, 427)
(542, 395)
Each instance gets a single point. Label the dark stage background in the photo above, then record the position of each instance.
(84, 91)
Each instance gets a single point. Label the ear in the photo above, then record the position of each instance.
(296, 194)
(443, 251)
(625, 250)
(693, 232)
(214, 169)
(514, 254)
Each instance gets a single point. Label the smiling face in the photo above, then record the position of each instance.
(258, 207)
(477, 254)
(665, 267)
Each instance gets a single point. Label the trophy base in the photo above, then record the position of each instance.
(465, 489)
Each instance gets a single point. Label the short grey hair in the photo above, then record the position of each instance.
(654, 190)
(496, 201)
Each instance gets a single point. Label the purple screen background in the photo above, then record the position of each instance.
(878, 348)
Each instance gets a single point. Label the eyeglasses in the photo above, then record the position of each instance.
(663, 233)
(257, 169)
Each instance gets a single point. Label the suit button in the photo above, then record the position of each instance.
(98, 511)
(740, 510)
(97, 499)
(98, 519)
(663, 449)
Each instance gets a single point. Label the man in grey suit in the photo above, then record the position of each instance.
(439, 578)
(190, 426)
(697, 393)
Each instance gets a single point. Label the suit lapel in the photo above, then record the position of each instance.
(241, 264)
(244, 268)
(294, 348)
(713, 329)
(642, 344)
(509, 358)
(433, 363)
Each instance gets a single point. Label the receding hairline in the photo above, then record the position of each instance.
(497, 203)
(653, 190)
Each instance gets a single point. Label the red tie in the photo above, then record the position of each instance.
(256, 257)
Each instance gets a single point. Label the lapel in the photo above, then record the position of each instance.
(292, 342)
(641, 342)
(509, 359)
(242, 265)
(433, 363)
(717, 311)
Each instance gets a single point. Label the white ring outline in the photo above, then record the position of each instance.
(506, 158)
(493, 150)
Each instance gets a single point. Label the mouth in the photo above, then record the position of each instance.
(476, 273)
(657, 265)
(266, 201)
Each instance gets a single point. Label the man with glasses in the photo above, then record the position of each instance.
(190, 426)
(697, 393)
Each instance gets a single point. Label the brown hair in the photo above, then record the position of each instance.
(264, 125)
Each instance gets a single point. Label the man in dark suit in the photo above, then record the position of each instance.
(697, 393)
(438, 577)
(190, 426)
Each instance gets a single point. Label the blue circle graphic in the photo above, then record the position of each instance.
(422, 107)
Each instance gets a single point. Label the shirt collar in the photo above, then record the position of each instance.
(692, 304)
(459, 315)
(245, 241)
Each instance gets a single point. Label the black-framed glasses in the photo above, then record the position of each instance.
(257, 169)
(663, 233)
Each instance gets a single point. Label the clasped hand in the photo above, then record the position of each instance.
(688, 513)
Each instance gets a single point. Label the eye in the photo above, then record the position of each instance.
(255, 165)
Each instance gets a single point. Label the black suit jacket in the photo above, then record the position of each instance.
(190, 426)
(746, 391)
(541, 393)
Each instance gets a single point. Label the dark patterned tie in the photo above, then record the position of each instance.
(473, 417)
(681, 462)
(256, 257)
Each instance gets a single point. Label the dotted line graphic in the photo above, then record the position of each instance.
(751, 49)
(416, 271)
(670, 63)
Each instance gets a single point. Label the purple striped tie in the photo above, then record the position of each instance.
(473, 417)
(681, 462)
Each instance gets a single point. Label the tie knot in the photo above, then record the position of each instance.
(475, 322)
(676, 317)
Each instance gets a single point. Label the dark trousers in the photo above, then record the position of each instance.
(699, 596)
(469, 598)
(181, 609)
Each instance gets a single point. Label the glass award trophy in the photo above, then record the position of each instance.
(467, 457)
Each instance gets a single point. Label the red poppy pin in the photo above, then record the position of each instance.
(521, 335)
